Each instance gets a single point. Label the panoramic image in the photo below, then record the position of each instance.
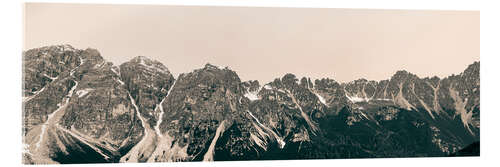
(116, 83)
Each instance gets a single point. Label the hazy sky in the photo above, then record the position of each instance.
(265, 43)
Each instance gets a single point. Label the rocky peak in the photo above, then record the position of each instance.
(148, 82)
(84, 103)
(403, 75)
(357, 84)
(213, 76)
(141, 59)
(306, 82)
(325, 83)
(148, 64)
(204, 101)
(44, 65)
(210, 66)
(474, 66)
(92, 55)
(433, 81)
(360, 90)
(50, 51)
(471, 73)
(289, 81)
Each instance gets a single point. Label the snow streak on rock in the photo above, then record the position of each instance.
(50, 116)
(437, 107)
(150, 65)
(84, 140)
(465, 116)
(142, 150)
(51, 78)
(83, 92)
(28, 98)
(278, 138)
(356, 99)
(304, 115)
(252, 95)
(400, 99)
(114, 71)
(421, 101)
(160, 106)
(321, 99)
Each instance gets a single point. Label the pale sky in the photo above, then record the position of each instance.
(265, 43)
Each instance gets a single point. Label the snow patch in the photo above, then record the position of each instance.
(72, 72)
(356, 99)
(51, 78)
(363, 114)
(28, 98)
(114, 71)
(321, 99)
(81, 60)
(100, 65)
(83, 92)
(120, 81)
(151, 66)
(252, 95)
(381, 99)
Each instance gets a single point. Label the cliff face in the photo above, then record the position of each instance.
(78, 108)
(84, 110)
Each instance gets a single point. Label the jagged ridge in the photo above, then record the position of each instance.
(138, 112)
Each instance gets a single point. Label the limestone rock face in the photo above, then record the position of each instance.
(85, 111)
(45, 84)
(148, 82)
(200, 103)
(100, 107)
(79, 108)
(43, 65)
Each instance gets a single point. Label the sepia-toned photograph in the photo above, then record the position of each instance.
(129, 83)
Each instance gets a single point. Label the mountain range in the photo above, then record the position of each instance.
(79, 108)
